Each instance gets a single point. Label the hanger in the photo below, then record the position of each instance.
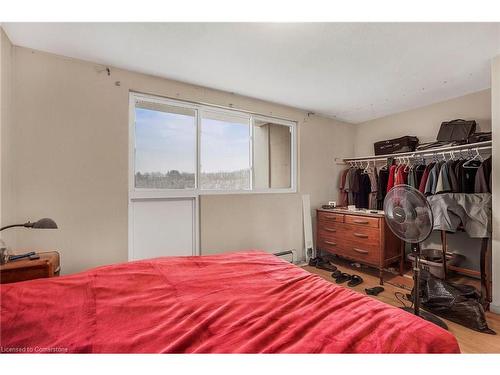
(468, 162)
(365, 171)
(407, 165)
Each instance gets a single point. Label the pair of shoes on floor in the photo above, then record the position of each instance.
(342, 277)
(374, 291)
(322, 264)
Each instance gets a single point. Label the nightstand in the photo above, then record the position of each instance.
(21, 270)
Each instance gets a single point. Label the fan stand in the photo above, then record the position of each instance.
(416, 293)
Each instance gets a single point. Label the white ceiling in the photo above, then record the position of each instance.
(350, 71)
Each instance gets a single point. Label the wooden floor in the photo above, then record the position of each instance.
(470, 341)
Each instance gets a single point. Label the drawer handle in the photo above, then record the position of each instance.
(330, 230)
(331, 243)
(361, 251)
(360, 235)
(360, 222)
(331, 217)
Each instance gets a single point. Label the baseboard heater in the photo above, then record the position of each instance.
(288, 255)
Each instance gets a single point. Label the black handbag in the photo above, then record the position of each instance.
(480, 137)
(393, 146)
(458, 131)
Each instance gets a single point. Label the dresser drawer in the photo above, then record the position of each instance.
(329, 236)
(330, 217)
(362, 220)
(329, 244)
(361, 234)
(368, 253)
(329, 226)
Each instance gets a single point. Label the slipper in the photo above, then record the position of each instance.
(325, 265)
(342, 278)
(336, 274)
(374, 291)
(355, 280)
(313, 262)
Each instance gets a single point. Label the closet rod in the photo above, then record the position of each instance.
(486, 145)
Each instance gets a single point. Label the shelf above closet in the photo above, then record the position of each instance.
(426, 153)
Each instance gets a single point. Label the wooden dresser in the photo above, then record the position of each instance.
(25, 269)
(359, 236)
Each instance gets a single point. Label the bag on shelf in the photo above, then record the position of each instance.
(480, 137)
(393, 146)
(458, 131)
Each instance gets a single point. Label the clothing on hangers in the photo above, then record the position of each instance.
(401, 175)
(392, 177)
(383, 178)
(343, 195)
(472, 210)
(482, 183)
(443, 184)
(372, 198)
(468, 175)
(367, 187)
(425, 177)
(355, 184)
(452, 176)
(411, 177)
(419, 172)
(431, 184)
(364, 191)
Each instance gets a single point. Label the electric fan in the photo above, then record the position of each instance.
(409, 216)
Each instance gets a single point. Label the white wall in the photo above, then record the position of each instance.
(280, 156)
(5, 101)
(424, 122)
(69, 155)
(495, 104)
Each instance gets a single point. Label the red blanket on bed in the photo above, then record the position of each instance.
(245, 302)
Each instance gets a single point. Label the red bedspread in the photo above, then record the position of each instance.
(245, 302)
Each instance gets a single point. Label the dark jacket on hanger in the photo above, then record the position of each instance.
(452, 176)
(483, 177)
(468, 175)
(364, 191)
(419, 172)
(383, 178)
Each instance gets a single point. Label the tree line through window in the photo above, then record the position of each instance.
(182, 147)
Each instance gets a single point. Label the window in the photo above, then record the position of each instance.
(194, 148)
(225, 152)
(273, 155)
(165, 146)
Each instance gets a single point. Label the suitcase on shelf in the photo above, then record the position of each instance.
(393, 146)
(480, 137)
(458, 131)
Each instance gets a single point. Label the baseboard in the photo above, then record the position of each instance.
(495, 308)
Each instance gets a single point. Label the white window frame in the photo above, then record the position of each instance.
(144, 193)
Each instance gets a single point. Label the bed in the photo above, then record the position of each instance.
(241, 302)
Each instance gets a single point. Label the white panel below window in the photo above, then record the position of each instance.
(162, 228)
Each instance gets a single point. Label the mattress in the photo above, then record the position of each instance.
(241, 302)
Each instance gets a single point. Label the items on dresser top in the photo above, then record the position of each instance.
(47, 265)
(360, 236)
